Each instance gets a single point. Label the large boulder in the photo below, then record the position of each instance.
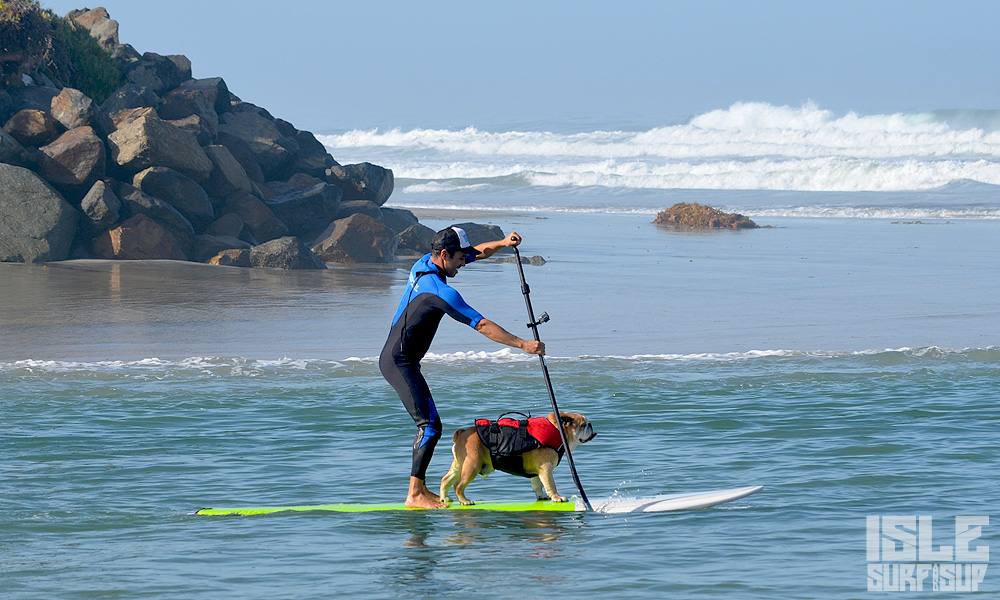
(363, 181)
(312, 158)
(357, 239)
(685, 215)
(207, 246)
(398, 219)
(149, 141)
(478, 233)
(36, 222)
(100, 25)
(228, 176)
(101, 206)
(181, 192)
(196, 126)
(243, 154)
(12, 152)
(256, 216)
(74, 160)
(360, 207)
(231, 258)
(158, 73)
(129, 96)
(273, 150)
(285, 253)
(138, 202)
(138, 238)
(32, 128)
(214, 89)
(414, 240)
(72, 108)
(183, 103)
(307, 212)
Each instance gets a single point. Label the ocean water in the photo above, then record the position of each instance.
(846, 358)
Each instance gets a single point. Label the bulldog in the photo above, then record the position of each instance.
(530, 447)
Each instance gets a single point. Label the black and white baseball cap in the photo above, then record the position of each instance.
(453, 238)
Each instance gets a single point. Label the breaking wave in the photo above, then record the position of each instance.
(749, 146)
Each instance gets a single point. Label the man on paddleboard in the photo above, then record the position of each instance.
(427, 298)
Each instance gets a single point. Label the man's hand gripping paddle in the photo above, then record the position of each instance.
(533, 325)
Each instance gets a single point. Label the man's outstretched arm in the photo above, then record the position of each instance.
(502, 336)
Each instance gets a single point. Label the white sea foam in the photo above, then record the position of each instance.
(248, 366)
(749, 146)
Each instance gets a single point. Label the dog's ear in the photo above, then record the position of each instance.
(566, 419)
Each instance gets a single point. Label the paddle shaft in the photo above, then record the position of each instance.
(533, 324)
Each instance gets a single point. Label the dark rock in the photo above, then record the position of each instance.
(257, 217)
(414, 240)
(231, 258)
(312, 158)
(357, 239)
(243, 154)
(129, 96)
(274, 152)
(101, 206)
(6, 105)
(535, 261)
(12, 152)
(685, 215)
(398, 219)
(182, 103)
(149, 141)
(138, 238)
(360, 207)
(228, 176)
(229, 224)
(307, 212)
(273, 189)
(196, 127)
(33, 97)
(183, 66)
(214, 89)
(189, 198)
(32, 128)
(156, 72)
(207, 246)
(481, 233)
(36, 223)
(285, 253)
(75, 159)
(163, 213)
(303, 181)
(363, 181)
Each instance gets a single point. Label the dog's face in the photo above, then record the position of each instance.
(578, 428)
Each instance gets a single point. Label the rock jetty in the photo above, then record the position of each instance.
(165, 166)
(684, 215)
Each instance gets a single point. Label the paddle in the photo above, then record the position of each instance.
(533, 324)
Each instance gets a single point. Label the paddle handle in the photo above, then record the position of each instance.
(533, 324)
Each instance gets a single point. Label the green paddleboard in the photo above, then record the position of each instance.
(543, 506)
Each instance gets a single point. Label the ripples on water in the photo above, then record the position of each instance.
(105, 461)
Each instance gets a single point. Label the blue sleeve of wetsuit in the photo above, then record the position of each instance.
(460, 310)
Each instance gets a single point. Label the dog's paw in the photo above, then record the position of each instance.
(467, 502)
(558, 498)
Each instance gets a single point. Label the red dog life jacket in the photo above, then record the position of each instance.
(507, 439)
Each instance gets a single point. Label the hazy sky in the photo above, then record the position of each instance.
(330, 66)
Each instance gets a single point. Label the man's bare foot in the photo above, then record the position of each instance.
(421, 497)
(424, 501)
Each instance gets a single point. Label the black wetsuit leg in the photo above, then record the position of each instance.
(409, 383)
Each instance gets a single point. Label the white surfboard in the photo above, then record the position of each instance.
(669, 502)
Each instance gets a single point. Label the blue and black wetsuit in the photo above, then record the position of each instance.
(427, 298)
